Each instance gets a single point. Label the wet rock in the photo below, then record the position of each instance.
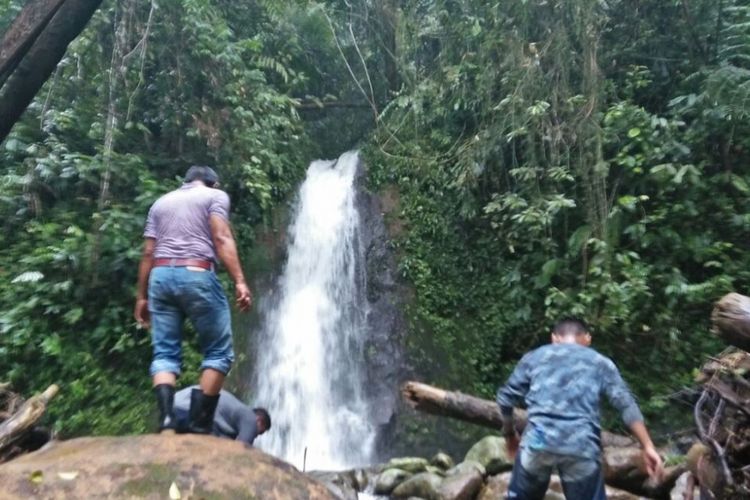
(386, 325)
(495, 488)
(341, 484)
(442, 460)
(362, 478)
(389, 479)
(409, 464)
(150, 466)
(490, 452)
(435, 470)
(423, 485)
(466, 466)
(462, 486)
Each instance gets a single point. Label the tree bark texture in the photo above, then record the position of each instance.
(40, 59)
(731, 320)
(26, 416)
(21, 35)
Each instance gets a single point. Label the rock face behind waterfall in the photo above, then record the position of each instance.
(385, 320)
(148, 466)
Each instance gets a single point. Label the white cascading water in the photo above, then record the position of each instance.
(310, 354)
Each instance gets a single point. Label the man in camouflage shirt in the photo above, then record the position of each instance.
(562, 385)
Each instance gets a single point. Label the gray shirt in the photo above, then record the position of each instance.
(562, 386)
(179, 222)
(233, 418)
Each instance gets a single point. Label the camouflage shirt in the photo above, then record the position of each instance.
(562, 386)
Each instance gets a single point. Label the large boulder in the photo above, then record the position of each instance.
(423, 485)
(466, 466)
(490, 452)
(155, 466)
(409, 464)
(496, 487)
(442, 460)
(341, 484)
(463, 486)
(389, 479)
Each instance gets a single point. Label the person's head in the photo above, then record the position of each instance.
(202, 173)
(262, 420)
(571, 331)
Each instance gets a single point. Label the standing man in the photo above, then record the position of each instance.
(562, 385)
(186, 231)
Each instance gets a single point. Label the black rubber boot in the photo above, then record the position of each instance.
(165, 400)
(202, 409)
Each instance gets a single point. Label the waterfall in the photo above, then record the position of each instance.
(310, 362)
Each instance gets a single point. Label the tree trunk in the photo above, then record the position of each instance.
(731, 320)
(25, 418)
(40, 60)
(454, 404)
(24, 31)
(623, 463)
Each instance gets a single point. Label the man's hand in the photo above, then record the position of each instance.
(142, 316)
(511, 445)
(654, 465)
(243, 296)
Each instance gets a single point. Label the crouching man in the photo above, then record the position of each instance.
(233, 419)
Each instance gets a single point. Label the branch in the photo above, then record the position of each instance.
(311, 104)
(348, 67)
(31, 411)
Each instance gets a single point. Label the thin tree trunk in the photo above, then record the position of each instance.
(40, 60)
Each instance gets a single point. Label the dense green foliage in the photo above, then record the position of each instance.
(570, 157)
(551, 157)
(145, 92)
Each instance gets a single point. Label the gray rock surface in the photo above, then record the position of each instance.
(490, 452)
(465, 466)
(464, 486)
(150, 466)
(423, 485)
(387, 481)
(442, 460)
(409, 464)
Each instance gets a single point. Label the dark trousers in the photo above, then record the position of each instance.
(581, 478)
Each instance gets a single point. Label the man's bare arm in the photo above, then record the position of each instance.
(226, 248)
(651, 457)
(144, 269)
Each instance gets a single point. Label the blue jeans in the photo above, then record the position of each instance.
(175, 293)
(581, 478)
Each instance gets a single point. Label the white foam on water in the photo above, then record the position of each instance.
(310, 360)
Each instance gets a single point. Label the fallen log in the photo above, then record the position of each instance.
(623, 462)
(26, 416)
(731, 320)
(455, 404)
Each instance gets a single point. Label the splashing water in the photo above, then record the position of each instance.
(310, 366)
